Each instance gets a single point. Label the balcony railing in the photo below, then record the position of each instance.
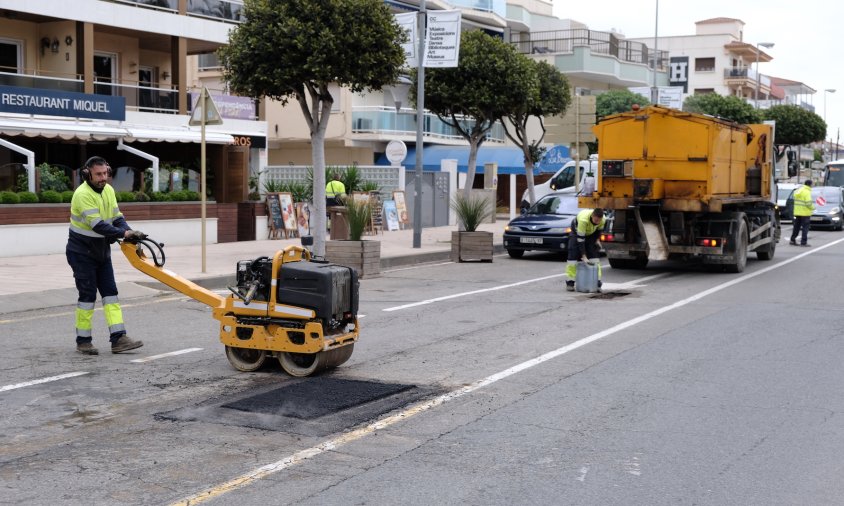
(495, 6)
(385, 120)
(142, 98)
(564, 41)
(746, 73)
(224, 10)
(68, 83)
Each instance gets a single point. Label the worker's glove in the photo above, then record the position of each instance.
(584, 259)
(135, 236)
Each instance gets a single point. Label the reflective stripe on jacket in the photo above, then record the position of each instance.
(803, 204)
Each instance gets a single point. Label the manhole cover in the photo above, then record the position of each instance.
(609, 295)
(316, 397)
(314, 406)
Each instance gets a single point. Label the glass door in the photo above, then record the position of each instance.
(105, 73)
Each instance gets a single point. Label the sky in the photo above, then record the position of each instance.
(807, 36)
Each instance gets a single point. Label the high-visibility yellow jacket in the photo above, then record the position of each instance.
(334, 188)
(803, 204)
(95, 221)
(585, 228)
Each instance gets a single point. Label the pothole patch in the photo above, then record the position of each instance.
(315, 406)
(609, 295)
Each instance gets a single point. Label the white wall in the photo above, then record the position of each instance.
(51, 238)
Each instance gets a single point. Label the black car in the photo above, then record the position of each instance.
(829, 207)
(545, 226)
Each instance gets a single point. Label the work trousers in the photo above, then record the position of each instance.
(801, 226)
(592, 251)
(92, 276)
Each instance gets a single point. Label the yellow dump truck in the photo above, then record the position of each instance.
(683, 186)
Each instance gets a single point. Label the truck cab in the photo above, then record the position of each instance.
(563, 180)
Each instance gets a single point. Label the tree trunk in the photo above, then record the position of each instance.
(474, 145)
(318, 157)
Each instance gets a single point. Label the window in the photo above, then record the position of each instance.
(704, 64)
(10, 56)
(704, 91)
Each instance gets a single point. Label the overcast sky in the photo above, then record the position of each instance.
(808, 35)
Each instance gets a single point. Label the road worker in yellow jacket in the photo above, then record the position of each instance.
(586, 229)
(803, 207)
(96, 223)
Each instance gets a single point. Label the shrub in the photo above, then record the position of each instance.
(179, 196)
(51, 196)
(191, 195)
(360, 215)
(471, 211)
(9, 198)
(125, 196)
(28, 198)
(67, 196)
(160, 197)
(141, 197)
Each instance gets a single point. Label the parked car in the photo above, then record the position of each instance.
(545, 226)
(783, 192)
(828, 212)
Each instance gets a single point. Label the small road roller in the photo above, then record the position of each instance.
(296, 308)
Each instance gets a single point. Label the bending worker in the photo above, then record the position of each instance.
(586, 229)
(96, 223)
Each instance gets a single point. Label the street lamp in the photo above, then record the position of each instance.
(756, 95)
(828, 90)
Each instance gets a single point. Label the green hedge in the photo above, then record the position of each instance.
(9, 198)
(51, 197)
(27, 198)
(67, 196)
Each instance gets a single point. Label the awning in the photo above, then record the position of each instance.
(175, 135)
(510, 159)
(70, 129)
(98, 131)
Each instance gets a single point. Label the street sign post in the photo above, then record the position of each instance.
(204, 113)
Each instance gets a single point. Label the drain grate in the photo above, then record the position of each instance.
(316, 397)
(609, 295)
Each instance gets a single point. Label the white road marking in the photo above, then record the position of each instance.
(583, 471)
(387, 421)
(164, 355)
(42, 380)
(630, 284)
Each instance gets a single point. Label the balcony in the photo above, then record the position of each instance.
(219, 10)
(385, 121)
(564, 41)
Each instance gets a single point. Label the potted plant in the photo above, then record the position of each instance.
(364, 256)
(468, 243)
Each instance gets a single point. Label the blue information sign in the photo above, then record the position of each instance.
(61, 103)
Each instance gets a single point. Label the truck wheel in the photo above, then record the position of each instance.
(305, 364)
(740, 240)
(516, 253)
(246, 359)
(768, 252)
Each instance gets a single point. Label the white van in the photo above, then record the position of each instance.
(563, 180)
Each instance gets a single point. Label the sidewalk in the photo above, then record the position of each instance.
(43, 281)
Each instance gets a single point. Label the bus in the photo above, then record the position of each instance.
(833, 174)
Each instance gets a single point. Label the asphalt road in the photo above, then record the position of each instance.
(677, 386)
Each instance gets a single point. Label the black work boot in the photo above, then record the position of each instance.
(87, 349)
(125, 344)
(570, 286)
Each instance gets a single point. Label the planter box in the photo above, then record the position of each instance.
(363, 256)
(471, 246)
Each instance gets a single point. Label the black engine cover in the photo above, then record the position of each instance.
(330, 290)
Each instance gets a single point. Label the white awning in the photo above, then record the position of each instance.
(99, 131)
(70, 129)
(175, 135)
